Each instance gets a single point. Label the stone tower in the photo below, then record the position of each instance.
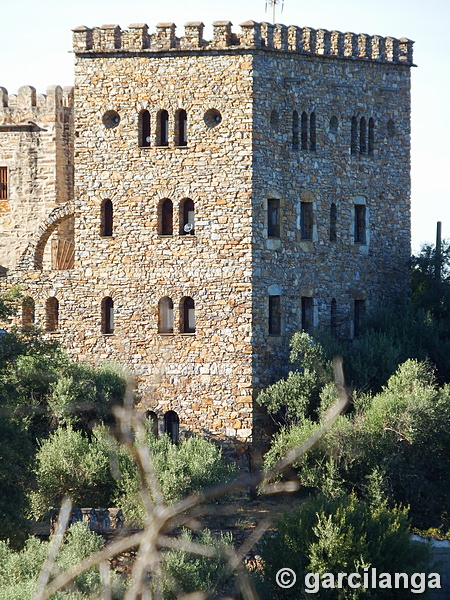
(226, 194)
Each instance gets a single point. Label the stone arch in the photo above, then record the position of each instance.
(32, 258)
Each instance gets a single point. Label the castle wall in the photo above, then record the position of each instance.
(36, 141)
(239, 93)
(377, 271)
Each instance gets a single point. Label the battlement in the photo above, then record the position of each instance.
(26, 101)
(266, 36)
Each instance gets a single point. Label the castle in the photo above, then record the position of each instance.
(190, 204)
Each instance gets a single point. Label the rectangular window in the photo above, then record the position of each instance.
(307, 314)
(3, 183)
(359, 313)
(360, 224)
(306, 219)
(274, 315)
(273, 218)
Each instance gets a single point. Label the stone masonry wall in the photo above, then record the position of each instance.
(239, 92)
(36, 146)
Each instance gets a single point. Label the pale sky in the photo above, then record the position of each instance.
(36, 42)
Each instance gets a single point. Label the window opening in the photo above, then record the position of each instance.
(333, 223)
(3, 183)
(307, 314)
(152, 417)
(354, 138)
(360, 224)
(187, 315)
(51, 314)
(145, 138)
(304, 126)
(166, 217)
(273, 218)
(172, 426)
(306, 219)
(312, 132)
(362, 136)
(165, 324)
(182, 128)
(295, 131)
(107, 315)
(188, 214)
(371, 136)
(274, 315)
(163, 128)
(106, 228)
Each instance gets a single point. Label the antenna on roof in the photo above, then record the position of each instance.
(273, 4)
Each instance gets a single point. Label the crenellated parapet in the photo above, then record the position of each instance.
(253, 35)
(15, 109)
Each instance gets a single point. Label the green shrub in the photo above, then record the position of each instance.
(340, 536)
(187, 572)
(19, 570)
(182, 469)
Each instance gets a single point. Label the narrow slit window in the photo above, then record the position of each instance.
(152, 418)
(304, 132)
(371, 145)
(274, 315)
(187, 217)
(360, 224)
(306, 220)
(312, 132)
(3, 183)
(295, 131)
(187, 315)
(307, 314)
(166, 223)
(333, 223)
(182, 128)
(163, 128)
(362, 136)
(172, 426)
(52, 314)
(107, 315)
(165, 324)
(106, 228)
(273, 218)
(354, 136)
(144, 129)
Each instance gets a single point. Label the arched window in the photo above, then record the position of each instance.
(172, 425)
(274, 315)
(187, 217)
(273, 218)
(144, 129)
(306, 220)
(312, 132)
(51, 314)
(152, 417)
(166, 218)
(163, 128)
(371, 136)
(307, 307)
(27, 312)
(333, 317)
(295, 132)
(333, 222)
(362, 136)
(107, 315)
(354, 136)
(106, 217)
(181, 121)
(187, 315)
(304, 125)
(165, 315)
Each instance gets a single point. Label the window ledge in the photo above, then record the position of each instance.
(187, 334)
(108, 334)
(166, 333)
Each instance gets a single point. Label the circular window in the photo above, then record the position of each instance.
(111, 119)
(212, 117)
